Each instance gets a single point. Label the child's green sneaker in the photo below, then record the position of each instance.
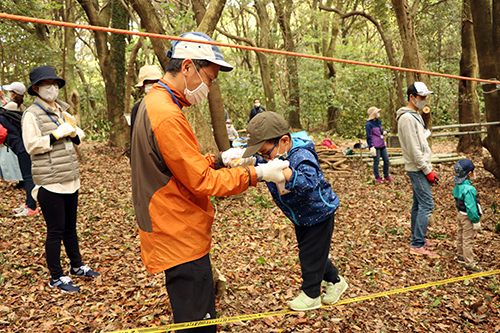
(334, 291)
(304, 302)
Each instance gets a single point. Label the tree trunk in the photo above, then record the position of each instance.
(411, 54)
(327, 50)
(151, 23)
(130, 74)
(266, 42)
(468, 104)
(207, 26)
(116, 78)
(111, 63)
(283, 13)
(486, 36)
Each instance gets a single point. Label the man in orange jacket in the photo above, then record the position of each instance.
(172, 182)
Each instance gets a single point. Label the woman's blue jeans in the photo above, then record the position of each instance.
(376, 159)
(422, 208)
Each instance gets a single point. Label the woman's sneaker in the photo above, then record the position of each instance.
(334, 291)
(304, 302)
(84, 271)
(64, 283)
(28, 212)
(20, 208)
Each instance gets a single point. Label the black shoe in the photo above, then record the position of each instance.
(84, 271)
(19, 186)
(64, 283)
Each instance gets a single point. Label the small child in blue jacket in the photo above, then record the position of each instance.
(469, 213)
(307, 199)
(376, 143)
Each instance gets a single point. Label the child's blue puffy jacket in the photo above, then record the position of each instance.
(311, 199)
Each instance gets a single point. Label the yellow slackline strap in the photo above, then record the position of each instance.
(181, 326)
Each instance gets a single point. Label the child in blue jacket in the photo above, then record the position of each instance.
(469, 213)
(376, 143)
(307, 199)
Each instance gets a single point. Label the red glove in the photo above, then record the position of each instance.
(433, 178)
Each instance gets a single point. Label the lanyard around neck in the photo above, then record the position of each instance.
(418, 120)
(171, 94)
(55, 122)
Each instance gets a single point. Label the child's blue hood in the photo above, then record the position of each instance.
(302, 140)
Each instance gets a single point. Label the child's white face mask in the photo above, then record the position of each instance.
(283, 156)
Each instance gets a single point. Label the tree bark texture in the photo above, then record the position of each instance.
(207, 25)
(330, 31)
(152, 24)
(486, 18)
(111, 62)
(283, 12)
(265, 41)
(411, 54)
(468, 104)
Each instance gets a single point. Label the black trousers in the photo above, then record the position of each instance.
(25, 166)
(314, 247)
(59, 212)
(191, 290)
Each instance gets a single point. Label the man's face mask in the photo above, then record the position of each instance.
(199, 94)
(48, 93)
(419, 104)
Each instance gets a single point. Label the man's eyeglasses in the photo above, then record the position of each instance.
(212, 81)
(268, 154)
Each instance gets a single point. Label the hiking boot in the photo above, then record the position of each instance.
(474, 268)
(64, 283)
(28, 212)
(428, 243)
(304, 302)
(423, 251)
(389, 179)
(379, 180)
(20, 208)
(83, 271)
(460, 259)
(334, 291)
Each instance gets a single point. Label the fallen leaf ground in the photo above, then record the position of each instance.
(254, 247)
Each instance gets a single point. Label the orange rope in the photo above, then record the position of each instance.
(243, 47)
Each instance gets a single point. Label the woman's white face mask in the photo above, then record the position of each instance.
(197, 95)
(147, 87)
(48, 93)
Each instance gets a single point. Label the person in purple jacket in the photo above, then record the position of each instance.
(376, 143)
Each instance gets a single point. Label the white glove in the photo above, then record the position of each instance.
(476, 226)
(243, 161)
(272, 171)
(231, 154)
(373, 151)
(64, 130)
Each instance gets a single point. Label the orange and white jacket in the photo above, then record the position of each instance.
(172, 183)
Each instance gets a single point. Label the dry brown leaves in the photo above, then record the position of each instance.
(254, 246)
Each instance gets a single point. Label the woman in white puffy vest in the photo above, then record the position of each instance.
(49, 133)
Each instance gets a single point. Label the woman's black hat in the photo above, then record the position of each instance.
(42, 73)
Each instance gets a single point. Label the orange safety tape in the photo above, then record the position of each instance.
(249, 48)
